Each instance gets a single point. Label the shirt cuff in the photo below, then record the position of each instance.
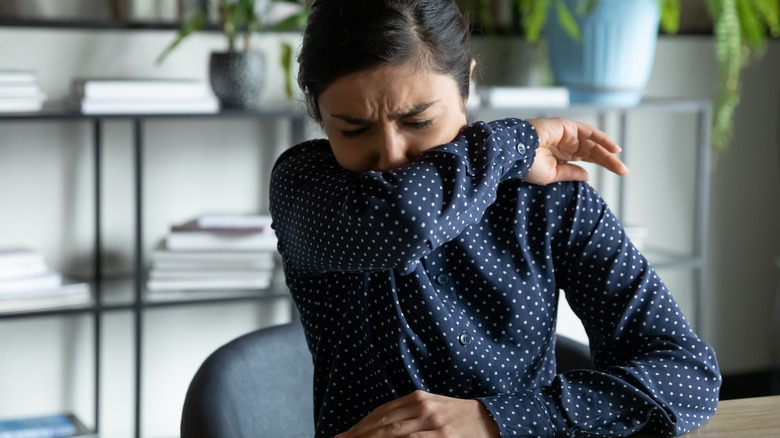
(524, 414)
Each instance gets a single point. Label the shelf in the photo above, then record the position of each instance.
(61, 111)
(665, 259)
(119, 295)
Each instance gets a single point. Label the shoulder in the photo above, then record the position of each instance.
(311, 150)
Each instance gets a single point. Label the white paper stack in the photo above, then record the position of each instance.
(143, 96)
(215, 252)
(27, 282)
(20, 92)
(524, 97)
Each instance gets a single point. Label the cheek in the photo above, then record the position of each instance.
(441, 133)
(352, 158)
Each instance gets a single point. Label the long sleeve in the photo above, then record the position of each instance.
(652, 372)
(329, 219)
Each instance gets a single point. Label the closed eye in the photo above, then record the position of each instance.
(354, 133)
(420, 125)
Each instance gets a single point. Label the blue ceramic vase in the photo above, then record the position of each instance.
(612, 63)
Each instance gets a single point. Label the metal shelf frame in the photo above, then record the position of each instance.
(138, 304)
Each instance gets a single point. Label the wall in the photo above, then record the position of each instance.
(46, 179)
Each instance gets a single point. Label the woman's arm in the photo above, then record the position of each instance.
(652, 372)
(330, 219)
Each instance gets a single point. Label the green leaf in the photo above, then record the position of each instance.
(293, 22)
(567, 21)
(485, 16)
(670, 15)
(287, 60)
(195, 23)
(770, 13)
(752, 29)
(534, 15)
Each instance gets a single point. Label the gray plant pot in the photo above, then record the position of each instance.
(237, 78)
(507, 61)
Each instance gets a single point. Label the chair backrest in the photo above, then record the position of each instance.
(258, 385)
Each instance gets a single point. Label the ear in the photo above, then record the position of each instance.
(471, 70)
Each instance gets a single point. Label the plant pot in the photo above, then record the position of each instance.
(612, 63)
(237, 78)
(507, 61)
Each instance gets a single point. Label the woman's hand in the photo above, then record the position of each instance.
(562, 141)
(422, 415)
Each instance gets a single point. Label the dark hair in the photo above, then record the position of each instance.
(343, 37)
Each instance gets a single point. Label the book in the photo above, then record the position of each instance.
(19, 90)
(47, 426)
(29, 285)
(247, 236)
(237, 226)
(206, 105)
(140, 89)
(20, 262)
(65, 295)
(208, 274)
(18, 77)
(233, 221)
(228, 240)
(204, 258)
(515, 97)
(22, 104)
(260, 280)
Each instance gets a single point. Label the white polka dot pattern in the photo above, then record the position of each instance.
(443, 275)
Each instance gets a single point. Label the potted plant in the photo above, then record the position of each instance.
(237, 74)
(741, 29)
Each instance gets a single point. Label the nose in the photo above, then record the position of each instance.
(392, 149)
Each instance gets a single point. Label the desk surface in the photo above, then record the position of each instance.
(742, 418)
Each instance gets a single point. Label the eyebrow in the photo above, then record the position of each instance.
(415, 110)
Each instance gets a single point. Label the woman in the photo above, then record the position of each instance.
(425, 254)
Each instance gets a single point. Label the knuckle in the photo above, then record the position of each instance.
(418, 395)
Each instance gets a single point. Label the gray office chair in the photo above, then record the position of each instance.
(259, 385)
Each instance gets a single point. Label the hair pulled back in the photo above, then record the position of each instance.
(343, 37)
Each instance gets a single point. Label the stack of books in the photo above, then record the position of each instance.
(215, 252)
(55, 425)
(143, 96)
(523, 97)
(19, 91)
(27, 283)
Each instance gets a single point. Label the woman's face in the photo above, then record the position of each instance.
(383, 118)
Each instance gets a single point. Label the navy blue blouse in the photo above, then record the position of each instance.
(444, 275)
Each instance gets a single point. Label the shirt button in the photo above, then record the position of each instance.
(464, 339)
(520, 148)
(443, 279)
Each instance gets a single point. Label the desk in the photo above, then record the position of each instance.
(742, 418)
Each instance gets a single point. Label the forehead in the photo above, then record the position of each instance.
(387, 88)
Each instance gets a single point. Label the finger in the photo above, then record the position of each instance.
(600, 155)
(393, 411)
(380, 423)
(599, 137)
(570, 172)
(414, 426)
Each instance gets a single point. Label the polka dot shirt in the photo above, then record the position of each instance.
(443, 275)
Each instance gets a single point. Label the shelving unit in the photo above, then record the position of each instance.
(134, 291)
